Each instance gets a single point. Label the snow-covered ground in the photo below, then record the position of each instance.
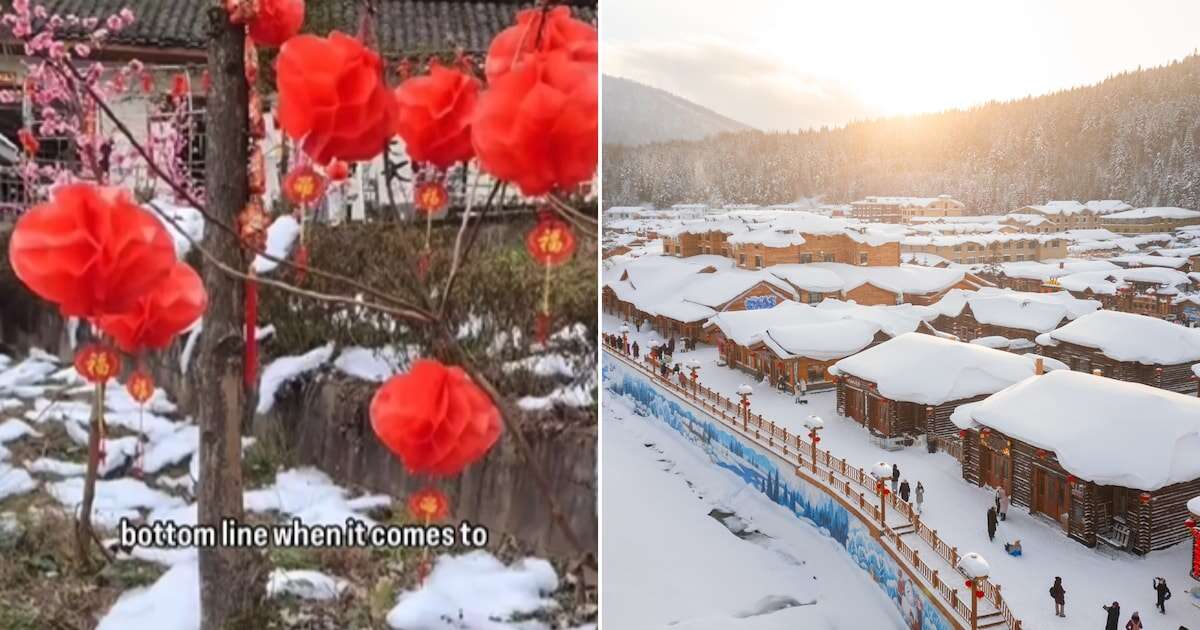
(957, 510)
(667, 563)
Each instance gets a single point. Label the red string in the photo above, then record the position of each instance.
(250, 362)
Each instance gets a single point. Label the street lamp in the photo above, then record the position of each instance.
(814, 424)
(976, 569)
(694, 366)
(745, 391)
(881, 471)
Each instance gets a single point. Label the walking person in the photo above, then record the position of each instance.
(1004, 502)
(991, 524)
(905, 490)
(1059, 594)
(895, 477)
(920, 497)
(1163, 594)
(996, 498)
(1114, 616)
(1134, 623)
(635, 350)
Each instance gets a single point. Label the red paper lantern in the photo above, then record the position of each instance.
(551, 242)
(90, 249)
(969, 584)
(97, 363)
(962, 433)
(1144, 498)
(332, 98)
(276, 22)
(1190, 523)
(435, 419)
(173, 305)
(428, 505)
(430, 197)
(140, 387)
(537, 125)
(560, 33)
(180, 85)
(338, 171)
(303, 186)
(433, 116)
(29, 142)
(979, 594)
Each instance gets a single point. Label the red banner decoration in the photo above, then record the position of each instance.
(428, 505)
(303, 186)
(91, 250)
(1191, 525)
(97, 363)
(140, 387)
(435, 419)
(551, 242)
(151, 324)
(430, 197)
(537, 125)
(560, 33)
(332, 98)
(276, 22)
(433, 116)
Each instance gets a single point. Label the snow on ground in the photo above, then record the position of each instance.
(305, 584)
(371, 364)
(958, 511)
(281, 235)
(284, 369)
(667, 563)
(309, 494)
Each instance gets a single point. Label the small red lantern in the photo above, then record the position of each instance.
(97, 363)
(303, 186)
(816, 439)
(180, 85)
(140, 387)
(428, 505)
(147, 82)
(1144, 498)
(29, 142)
(551, 242)
(969, 584)
(1070, 479)
(1190, 523)
(276, 22)
(985, 432)
(979, 594)
(962, 433)
(430, 197)
(338, 171)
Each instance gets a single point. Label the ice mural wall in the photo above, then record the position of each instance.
(779, 483)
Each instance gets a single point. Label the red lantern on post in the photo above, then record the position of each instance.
(430, 197)
(303, 186)
(550, 243)
(140, 387)
(428, 505)
(97, 364)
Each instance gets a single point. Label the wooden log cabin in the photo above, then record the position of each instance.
(1106, 461)
(992, 312)
(1128, 347)
(874, 285)
(910, 385)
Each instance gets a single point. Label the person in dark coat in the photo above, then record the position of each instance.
(1164, 593)
(895, 476)
(1134, 623)
(635, 350)
(991, 522)
(671, 346)
(1059, 594)
(1114, 616)
(905, 489)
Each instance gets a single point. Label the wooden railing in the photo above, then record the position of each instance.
(855, 485)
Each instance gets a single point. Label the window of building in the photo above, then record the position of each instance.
(958, 248)
(828, 256)
(678, 250)
(805, 258)
(862, 258)
(758, 262)
(1020, 244)
(742, 259)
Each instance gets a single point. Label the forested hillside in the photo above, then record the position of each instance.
(1133, 136)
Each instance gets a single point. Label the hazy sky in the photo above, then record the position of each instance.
(787, 64)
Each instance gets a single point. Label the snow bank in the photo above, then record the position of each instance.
(371, 364)
(1105, 431)
(931, 370)
(305, 584)
(281, 235)
(310, 495)
(1131, 337)
(51, 466)
(14, 481)
(284, 369)
(479, 592)
(114, 499)
(171, 603)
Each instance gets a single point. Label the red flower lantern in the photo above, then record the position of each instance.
(560, 33)
(551, 242)
(435, 418)
(173, 305)
(430, 197)
(29, 142)
(97, 363)
(140, 387)
(433, 116)
(537, 125)
(428, 505)
(90, 249)
(303, 186)
(338, 171)
(332, 98)
(276, 22)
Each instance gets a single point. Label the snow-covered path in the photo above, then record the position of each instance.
(666, 562)
(957, 510)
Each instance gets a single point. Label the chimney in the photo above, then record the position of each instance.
(1039, 366)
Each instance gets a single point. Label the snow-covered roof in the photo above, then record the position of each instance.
(1090, 234)
(1107, 282)
(823, 341)
(892, 319)
(1034, 270)
(747, 328)
(727, 226)
(1107, 206)
(1102, 430)
(907, 202)
(788, 229)
(984, 239)
(1056, 208)
(913, 279)
(1148, 260)
(931, 370)
(1193, 506)
(1132, 337)
(1154, 213)
(1039, 312)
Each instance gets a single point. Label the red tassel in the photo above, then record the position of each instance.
(250, 362)
(541, 327)
(423, 265)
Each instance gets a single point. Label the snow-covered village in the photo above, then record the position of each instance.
(929, 361)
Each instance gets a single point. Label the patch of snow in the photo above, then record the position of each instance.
(1133, 337)
(171, 603)
(51, 466)
(188, 219)
(371, 364)
(281, 235)
(576, 396)
(12, 429)
(185, 357)
(284, 369)
(14, 481)
(305, 585)
(308, 494)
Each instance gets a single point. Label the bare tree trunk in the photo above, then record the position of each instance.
(231, 580)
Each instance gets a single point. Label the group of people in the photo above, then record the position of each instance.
(999, 512)
(901, 487)
(1161, 591)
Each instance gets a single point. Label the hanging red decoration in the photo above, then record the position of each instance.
(1070, 479)
(430, 197)
(338, 171)
(332, 98)
(97, 363)
(435, 418)
(167, 310)
(1144, 498)
(428, 505)
(560, 33)
(140, 387)
(537, 125)
(257, 176)
(433, 116)
(978, 594)
(962, 433)
(29, 142)
(276, 22)
(180, 85)
(147, 82)
(303, 186)
(91, 250)
(551, 242)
